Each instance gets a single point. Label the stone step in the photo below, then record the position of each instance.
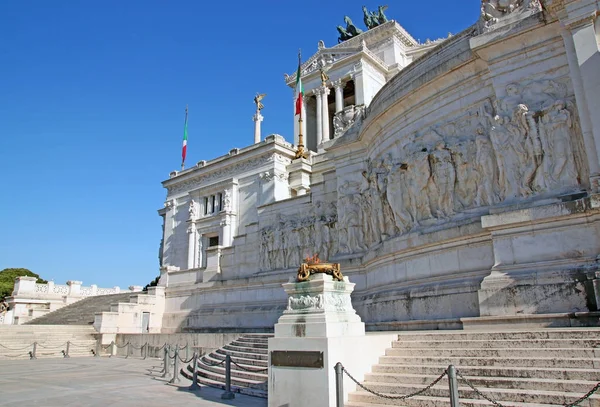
(495, 371)
(585, 363)
(219, 385)
(571, 386)
(246, 355)
(258, 336)
(504, 343)
(81, 312)
(558, 333)
(424, 401)
(236, 380)
(499, 395)
(500, 352)
(245, 349)
(243, 339)
(219, 357)
(252, 373)
(253, 345)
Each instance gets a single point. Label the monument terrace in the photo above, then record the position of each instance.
(446, 185)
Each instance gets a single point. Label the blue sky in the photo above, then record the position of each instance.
(92, 99)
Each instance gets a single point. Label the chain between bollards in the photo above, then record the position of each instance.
(227, 394)
(195, 385)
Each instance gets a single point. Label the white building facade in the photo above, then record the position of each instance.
(456, 181)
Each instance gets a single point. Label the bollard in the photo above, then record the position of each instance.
(175, 378)
(112, 349)
(98, 347)
(195, 385)
(32, 354)
(67, 351)
(227, 394)
(127, 350)
(339, 384)
(144, 350)
(187, 351)
(453, 385)
(165, 371)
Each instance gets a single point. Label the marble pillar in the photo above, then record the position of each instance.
(318, 93)
(339, 95)
(325, 114)
(258, 118)
(191, 247)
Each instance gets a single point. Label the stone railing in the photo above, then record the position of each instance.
(27, 286)
(106, 291)
(60, 289)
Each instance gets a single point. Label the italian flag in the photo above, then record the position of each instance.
(299, 89)
(184, 148)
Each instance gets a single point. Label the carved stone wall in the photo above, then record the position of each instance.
(503, 150)
(288, 241)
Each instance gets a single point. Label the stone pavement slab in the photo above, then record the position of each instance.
(106, 382)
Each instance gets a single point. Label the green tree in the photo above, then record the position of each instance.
(7, 279)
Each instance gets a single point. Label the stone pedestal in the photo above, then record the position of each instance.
(545, 260)
(319, 318)
(300, 171)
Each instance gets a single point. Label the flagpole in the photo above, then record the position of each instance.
(184, 151)
(300, 153)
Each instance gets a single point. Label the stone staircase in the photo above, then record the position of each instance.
(16, 341)
(250, 352)
(81, 312)
(538, 368)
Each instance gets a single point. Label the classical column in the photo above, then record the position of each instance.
(257, 119)
(191, 246)
(318, 92)
(325, 114)
(359, 84)
(339, 95)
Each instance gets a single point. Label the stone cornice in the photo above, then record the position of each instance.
(227, 166)
(361, 42)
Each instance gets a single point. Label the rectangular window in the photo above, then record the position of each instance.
(206, 205)
(220, 202)
(214, 207)
(213, 241)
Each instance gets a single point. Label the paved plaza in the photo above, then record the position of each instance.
(106, 382)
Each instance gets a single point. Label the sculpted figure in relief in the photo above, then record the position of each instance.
(399, 196)
(557, 125)
(192, 210)
(292, 246)
(278, 261)
(418, 176)
(372, 208)
(486, 170)
(443, 176)
(227, 200)
(465, 189)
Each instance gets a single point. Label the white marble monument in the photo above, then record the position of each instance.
(455, 180)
